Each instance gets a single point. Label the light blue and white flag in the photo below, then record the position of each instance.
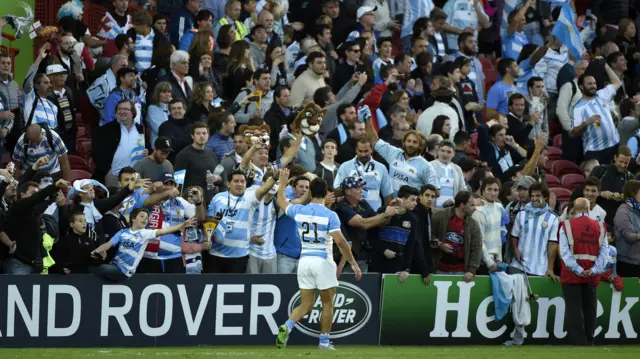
(566, 31)
(179, 176)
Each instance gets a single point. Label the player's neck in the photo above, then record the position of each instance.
(317, 201)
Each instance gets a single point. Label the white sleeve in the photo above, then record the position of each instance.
(189, 208)
(607, 93)
(148, 234)
(515, 231)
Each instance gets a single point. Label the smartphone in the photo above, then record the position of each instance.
(253, 98)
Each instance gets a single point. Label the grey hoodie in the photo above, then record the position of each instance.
(257, 54)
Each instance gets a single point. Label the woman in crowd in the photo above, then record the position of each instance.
(441, 126)
(275, 64)
(239, 65)
(201, 102)
(627, 231)
(158, 111)
(160, 67)
(226, 37)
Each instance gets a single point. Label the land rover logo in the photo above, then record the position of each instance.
(351, 312)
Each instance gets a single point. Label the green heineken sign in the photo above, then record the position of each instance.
(452, 312)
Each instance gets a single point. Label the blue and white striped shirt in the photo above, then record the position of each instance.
(315, 223)
(534, 234)
(376, 176)
(489, 218)
(512, 45)
(440, 44)
(377, 65)
(131, 246)
(169, 213)
(509, 6)
(35, 151)
(144, 51)
(263, 222)
(415, 171)
(550, 66)
(46, 111)
(231, 237)
(600, 136)
(413, 10)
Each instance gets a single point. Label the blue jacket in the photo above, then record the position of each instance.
(285, 237)
(179, 25)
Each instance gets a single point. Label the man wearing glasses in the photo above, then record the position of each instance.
(350, 66)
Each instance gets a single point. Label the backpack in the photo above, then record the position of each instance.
(45, 126)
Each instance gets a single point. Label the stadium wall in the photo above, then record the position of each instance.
(182, 310)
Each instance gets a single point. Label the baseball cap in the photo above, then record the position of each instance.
(524, 182)
(362, 10)
(167, 177)
(163, 144)
(352, 182)
(513, 171)
(126, 70)
(55, 69)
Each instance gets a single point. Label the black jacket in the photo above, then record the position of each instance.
(275, 118)
(66, 130)
(179, 132)
(104, 148)
(422, 252)
(23, 227)
(176, 89)
(198, 113)
(343, 74)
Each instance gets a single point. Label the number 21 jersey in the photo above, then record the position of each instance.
(315, 223)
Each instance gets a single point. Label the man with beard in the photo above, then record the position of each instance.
(346, 118)
(374, 173)
(156, 164)
(613, 177)
(305, 85)
(232, 159)
(347, 150)
(592, 117)
(62, 96)
(197, 161)
(489, 218)
(498, 95)
(459, 238)
(406, 165)
(69, 60)
(467, 48)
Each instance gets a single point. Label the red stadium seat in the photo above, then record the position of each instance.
(82, 132)
(547, 166)
(474, 140)
(554, 153)
(557, 141)
(562, 194)
(552, 181)
(562, 167)
(572, 181)
(78, 163)
(79, 174)
(486, 64)
(83, 146)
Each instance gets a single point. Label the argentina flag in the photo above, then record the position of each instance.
(137, 152)
(566, 31)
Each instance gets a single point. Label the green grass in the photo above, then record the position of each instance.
(352, 352)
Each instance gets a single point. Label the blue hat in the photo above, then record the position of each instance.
(166, 177)
(352, 182)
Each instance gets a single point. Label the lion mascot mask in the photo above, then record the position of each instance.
(309, 119)
(256, 135)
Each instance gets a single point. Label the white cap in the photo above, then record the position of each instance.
(363, 10)
(55, 69)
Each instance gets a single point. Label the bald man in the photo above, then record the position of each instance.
(583, 249)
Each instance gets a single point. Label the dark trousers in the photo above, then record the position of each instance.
(580, 315)
(215, 264)
(603, 156)
(572, 148)
(151, 266)
(627, 269)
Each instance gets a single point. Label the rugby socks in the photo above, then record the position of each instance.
(290, 324)
(324, 340)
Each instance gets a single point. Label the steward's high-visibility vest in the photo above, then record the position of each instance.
(240, 30)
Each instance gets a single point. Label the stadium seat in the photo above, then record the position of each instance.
(92, 164)
(562, 194)
(78, 163)
(547, 166)
(572, 181)
(552, 181)
(557, 141)
(5, 159)
(82, 132)
(554, 153)
(83, 146)
(474, 139)
(79, 174)
(555, 128)
(562, 167)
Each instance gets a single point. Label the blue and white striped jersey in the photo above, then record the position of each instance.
(46, 111)
(263, 221)
(512, 45)
(600, 136)
(35, 151)
(315, 223)
(168, 213)
(231, 237)
(131, 246)
(415, 171)
(413, 10)
(534, 233)
(144, 51)
(374, 173)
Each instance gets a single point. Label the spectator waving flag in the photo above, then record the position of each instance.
(137, 152)
(566, 31)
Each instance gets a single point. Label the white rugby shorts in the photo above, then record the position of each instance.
(317, 273)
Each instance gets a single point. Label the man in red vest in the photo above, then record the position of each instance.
(583, 249)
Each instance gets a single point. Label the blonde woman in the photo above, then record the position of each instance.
(158, 111)
(201, 100)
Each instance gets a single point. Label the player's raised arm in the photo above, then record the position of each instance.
(281, 199)
(345, 250)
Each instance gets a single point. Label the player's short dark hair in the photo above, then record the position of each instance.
(490, 181)
(461, 137)
(384, 71)
(462, 197)
(592, 181)
(406, 191)
(504, 64)
(321, 96)
(318, 188)
(204, 15)
(493, 130)
(533, 80)
(236, 172)
(74, 215)
(626, 107)
(382, 40)
(437, 14)
(464, 36)
(136, 212)
(448, 67)
(259, 72)
(285, 143)
(428, 187)
(126, 170)
(515, 96)
(296, 180)
(623, 150)
(540, 188)
(315, 55)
